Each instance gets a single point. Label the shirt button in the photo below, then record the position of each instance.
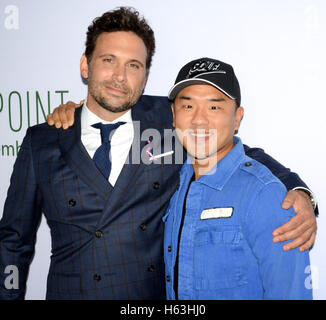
(99, 234)
(169, 248)
(248, 164)
(72, 202)
(151, 268)
(168, 278)
(156, 185)
(97, 277)
(143, 226)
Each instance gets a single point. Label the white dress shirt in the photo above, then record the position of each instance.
(120, 143)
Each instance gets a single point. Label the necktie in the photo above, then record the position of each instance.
(102, 154)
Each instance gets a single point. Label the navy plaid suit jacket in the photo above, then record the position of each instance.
(107, 243)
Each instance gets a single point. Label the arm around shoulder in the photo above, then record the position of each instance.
(290, 179)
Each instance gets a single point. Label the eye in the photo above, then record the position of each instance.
(134, 66)
(214, 107)
(187, 106)
(109, 60)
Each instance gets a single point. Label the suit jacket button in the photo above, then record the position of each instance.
(168, 278)
(72, 202)
(169, 248)
(143, 226)
(151, 268)
(99, 234)
(97, 277)
(156, 185)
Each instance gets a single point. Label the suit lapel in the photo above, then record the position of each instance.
(142, 120)
(79, 160)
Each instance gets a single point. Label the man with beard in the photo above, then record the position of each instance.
(103, 204)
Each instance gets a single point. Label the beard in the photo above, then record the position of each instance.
(95, 90)
(104, 103)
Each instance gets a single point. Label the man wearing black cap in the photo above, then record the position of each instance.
(218, 227)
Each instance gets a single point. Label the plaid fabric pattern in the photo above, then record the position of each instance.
(107, 243)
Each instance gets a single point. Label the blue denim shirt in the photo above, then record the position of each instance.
(227, 252)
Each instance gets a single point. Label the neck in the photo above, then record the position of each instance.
(202, 166)
(101, 112)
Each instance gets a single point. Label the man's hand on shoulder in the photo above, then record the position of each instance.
(63, 116)
(302, 227)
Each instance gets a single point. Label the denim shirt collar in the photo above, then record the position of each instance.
(219, 175)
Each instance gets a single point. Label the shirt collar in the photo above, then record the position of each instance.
(218, 176)
(88, 118)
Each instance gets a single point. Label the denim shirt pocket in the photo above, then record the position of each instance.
(219, 258)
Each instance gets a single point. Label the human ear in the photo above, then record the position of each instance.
(84, 66)
(173, 114)
(239, 116)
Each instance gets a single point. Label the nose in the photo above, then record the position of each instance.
(200, 117)
(119, 72)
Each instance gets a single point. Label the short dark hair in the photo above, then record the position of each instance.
(121, 19)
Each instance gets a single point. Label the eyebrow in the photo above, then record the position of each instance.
(216, 99)
(184, 98)
(210, 99)
(114, 56)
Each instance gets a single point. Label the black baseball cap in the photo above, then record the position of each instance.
(208, 71)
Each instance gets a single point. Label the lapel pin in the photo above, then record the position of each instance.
(161, 155)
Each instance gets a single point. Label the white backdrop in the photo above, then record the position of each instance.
(277, 48)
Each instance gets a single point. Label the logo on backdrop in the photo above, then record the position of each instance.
(24, 109)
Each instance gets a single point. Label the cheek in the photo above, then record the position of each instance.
(227, 122)
(93, 74)
(101, 72)
(224, 127)
(136, 81)
(220, 124)
(181, 122)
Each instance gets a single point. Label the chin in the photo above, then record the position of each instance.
(199, 157)
(205, 158)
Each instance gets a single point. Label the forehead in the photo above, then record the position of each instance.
(121, 43)
(202, 91)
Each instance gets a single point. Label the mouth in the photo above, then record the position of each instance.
(202, 139)
(201, 135)
(116, 91)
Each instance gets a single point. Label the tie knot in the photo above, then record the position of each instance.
(106, 129)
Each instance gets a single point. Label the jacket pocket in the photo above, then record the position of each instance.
(219, 259)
